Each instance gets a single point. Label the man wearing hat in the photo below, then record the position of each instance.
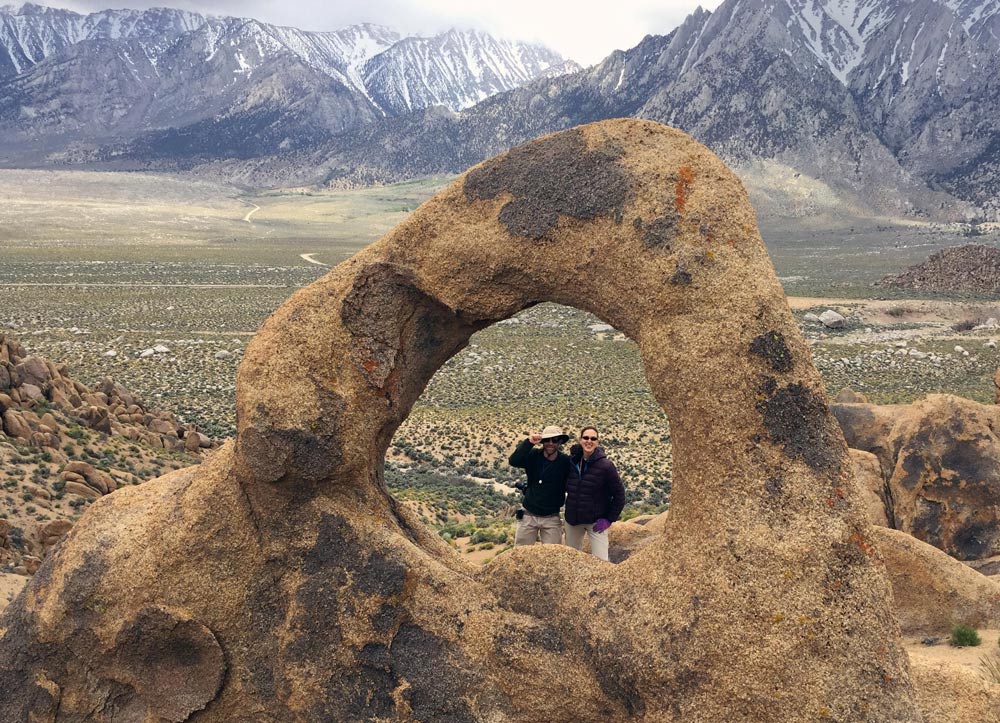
(545, 491)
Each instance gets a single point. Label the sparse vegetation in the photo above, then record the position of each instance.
(990, 665)
(964, 636)
(200, 279)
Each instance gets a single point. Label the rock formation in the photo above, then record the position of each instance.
(64, 444)
(29, 382)
(280, 581)
(969, 268)
(940, 461)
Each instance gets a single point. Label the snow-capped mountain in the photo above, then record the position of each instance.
(456, 69)
(221, 85)
(893, 102)
(31, 33)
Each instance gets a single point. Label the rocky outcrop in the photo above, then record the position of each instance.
(285, 570)
(30, 383)
(932, 590)
(940, 462)
(969, 268)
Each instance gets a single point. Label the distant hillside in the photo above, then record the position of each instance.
(971, 268)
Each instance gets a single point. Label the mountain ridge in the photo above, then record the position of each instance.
(172, 73)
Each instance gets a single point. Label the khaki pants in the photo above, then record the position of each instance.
(598, 540)
(531, 527)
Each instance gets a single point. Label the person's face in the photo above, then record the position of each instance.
(550, 446)
(588, 440)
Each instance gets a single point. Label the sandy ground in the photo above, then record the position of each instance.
(942, 652)
(10, 586)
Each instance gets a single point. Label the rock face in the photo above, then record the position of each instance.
(940, 460)
(764, 599)
(933, 591)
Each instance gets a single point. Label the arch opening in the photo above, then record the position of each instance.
(549, 364)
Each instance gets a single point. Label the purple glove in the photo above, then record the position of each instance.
(601, 525)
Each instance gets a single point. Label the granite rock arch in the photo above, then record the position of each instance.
(765, 600)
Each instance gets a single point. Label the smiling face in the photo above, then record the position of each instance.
(588, 440)
(550, 446)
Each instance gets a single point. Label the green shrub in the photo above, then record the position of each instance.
(964, 636)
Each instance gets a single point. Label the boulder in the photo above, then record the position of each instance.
(932, 590)
(33, 370)
(191, 441)
(868, 473)
(940, 459)
(832, 320)
(946, 478)
(95, 417)
(52, 533)
(987, 565)
(163, 426)
(626, 538)
(95, 478)
(952, 692)
(14, 425)
(30, 393)
(849, 396)
(81, 490)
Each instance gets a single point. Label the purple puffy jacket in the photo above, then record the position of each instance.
(593, 490)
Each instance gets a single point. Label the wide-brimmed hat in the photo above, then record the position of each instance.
(554, 433)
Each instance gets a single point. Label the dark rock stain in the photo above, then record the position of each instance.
(421, 658)
(337, 552)
(973, 541)
(296, 455)
(797, 418)
(772, 347)
(661, 232)
(552, 177)
(927, 520)
(969, 460)
(681, 277)
(400, 334)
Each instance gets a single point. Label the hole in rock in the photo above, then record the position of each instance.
(549, 364)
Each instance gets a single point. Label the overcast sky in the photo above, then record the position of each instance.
(563, 25)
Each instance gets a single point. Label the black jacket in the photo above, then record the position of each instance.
(546, 480)
(594, 490)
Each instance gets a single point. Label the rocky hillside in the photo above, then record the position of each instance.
(973, 268)
(64, 444)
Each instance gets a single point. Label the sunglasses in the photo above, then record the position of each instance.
(588, 439)
(550, 440)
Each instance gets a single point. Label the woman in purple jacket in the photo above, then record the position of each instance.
(594, 495)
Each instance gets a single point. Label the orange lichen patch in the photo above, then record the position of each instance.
(370, 365)
(859, 541)
(685, 177)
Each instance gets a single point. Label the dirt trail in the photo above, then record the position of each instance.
(310, 259)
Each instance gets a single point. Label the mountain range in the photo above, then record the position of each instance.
(228, 87)
(891, 104)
